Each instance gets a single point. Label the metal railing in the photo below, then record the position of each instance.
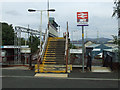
(41, 54)
(44, 45)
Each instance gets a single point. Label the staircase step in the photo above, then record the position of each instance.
(49, 71)
(57, 54)
(48, 62)
(53, 58)
(57, 37)
(49, 57)
(55, 51)
(54, 63)
(44, 60)
(55, 66)
(54, 55)
(57, 60)
(55, 46)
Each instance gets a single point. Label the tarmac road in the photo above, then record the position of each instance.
(25, 79)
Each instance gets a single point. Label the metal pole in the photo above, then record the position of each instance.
(41, 33)
(30, 63)
(67, 49)
(48, 15)
(28, 33)
(25, 50)
(83, 48)
(40, 40)
(72, 40)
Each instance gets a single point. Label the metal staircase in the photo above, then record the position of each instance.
(53, 58)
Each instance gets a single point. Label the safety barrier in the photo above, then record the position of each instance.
(44, 45)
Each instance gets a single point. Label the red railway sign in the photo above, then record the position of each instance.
(82, 15)
(82, 18)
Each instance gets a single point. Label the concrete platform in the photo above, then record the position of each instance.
(101, 69)
(17, 68)
(51, 75)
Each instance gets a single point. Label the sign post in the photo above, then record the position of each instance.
(82, 20)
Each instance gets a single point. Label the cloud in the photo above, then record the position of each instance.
(13, 13)
(99, 16)
(56, 1)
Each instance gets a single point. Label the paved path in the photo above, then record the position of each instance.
(20, 78)
(25, 82)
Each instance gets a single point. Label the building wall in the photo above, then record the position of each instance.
(52, 31)
(9, 56)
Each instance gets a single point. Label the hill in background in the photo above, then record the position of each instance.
(100, 40)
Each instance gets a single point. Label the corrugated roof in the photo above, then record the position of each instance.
(94, 45)
(111, 45)
(111, 50)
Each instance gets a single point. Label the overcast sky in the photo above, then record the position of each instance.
(100, 12)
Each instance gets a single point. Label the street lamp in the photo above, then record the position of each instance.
(32, 10)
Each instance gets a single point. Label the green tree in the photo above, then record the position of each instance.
(34, 42)
(23, 41)
(71, 46)
(117, 12)
(116, 9)
(115, 39)
(7, 34)
(117, 42)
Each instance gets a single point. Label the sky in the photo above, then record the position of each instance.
(15, 12)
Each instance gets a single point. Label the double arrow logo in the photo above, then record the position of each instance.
(82, 15)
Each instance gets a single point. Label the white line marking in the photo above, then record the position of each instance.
(104, 79)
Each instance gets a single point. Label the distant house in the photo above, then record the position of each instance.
(88, 43)
(111, 45)
(110, 41)
(96, 49)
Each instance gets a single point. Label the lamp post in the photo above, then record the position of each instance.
(32, 10)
